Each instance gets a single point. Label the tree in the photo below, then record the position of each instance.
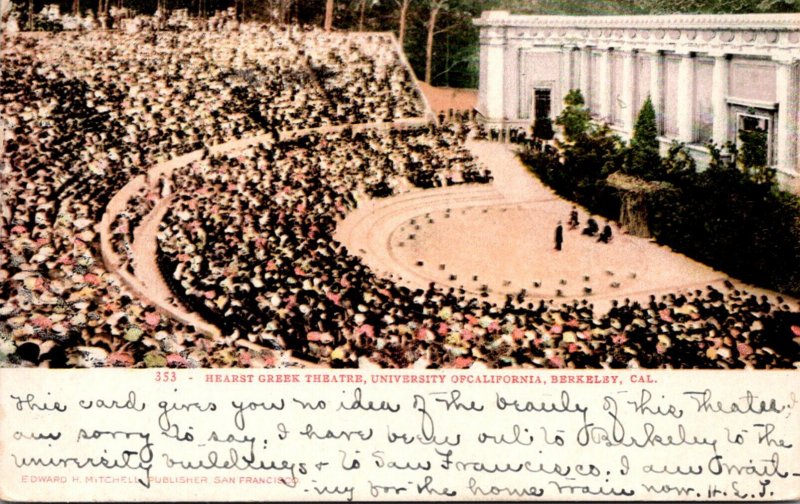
(435, 7)
(716, 6)
(593, 8)
(454, 52)
(362, 7)
(574, 119)
(102, 9)
(403, 5)
(274, 11)
(597, 154)
(644, 159)
(284, 10)
(778, 6)
(385, 11)
(329, 6)
(161, 6)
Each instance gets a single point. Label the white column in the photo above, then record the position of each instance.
(787, 127)
(586, 75)
(495, 77)
(797, 148)
(657, 87)
(686, 98)
(566, 78)
(511, 82)
(628, 99)
(604, 86)
(719, 95)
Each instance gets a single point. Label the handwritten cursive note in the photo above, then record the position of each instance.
(300, 435)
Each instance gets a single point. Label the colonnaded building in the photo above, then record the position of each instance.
(708, 76)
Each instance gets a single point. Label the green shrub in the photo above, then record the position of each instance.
(723, 218)
(644, 159)
(730, 216)
(575, 120)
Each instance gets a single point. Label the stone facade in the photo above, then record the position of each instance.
(708, 76)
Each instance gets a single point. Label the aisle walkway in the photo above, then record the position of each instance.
(146, 281)
(490, 240)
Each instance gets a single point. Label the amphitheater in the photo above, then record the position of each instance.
(261, 196)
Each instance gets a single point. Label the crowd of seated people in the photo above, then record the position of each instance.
(84, 113)
(361, 92)
(248, 240)
(248, 243)
(269, 216)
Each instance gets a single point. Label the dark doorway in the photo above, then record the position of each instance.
(541, 103)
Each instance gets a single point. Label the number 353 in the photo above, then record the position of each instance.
(166, 376)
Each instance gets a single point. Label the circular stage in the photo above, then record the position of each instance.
(498, 239)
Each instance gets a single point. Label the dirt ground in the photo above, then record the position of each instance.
(499, 239)
(442, 98)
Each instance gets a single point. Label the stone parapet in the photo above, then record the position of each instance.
(763, 34)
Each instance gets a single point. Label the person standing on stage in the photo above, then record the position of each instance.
(559, 236)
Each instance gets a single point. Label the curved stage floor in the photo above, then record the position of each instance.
(500, 238)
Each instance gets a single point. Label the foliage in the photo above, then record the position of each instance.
(575, 119)
(596, 156)
(753, 156)
(754, 148)
(644, 159)
(455, 61)
(735, 220)
(679, 165)
(717, 6)
(723, 218)
(718, 161)
(580, 173)
(573, 7)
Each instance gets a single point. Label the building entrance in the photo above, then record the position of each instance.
(541, 103)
